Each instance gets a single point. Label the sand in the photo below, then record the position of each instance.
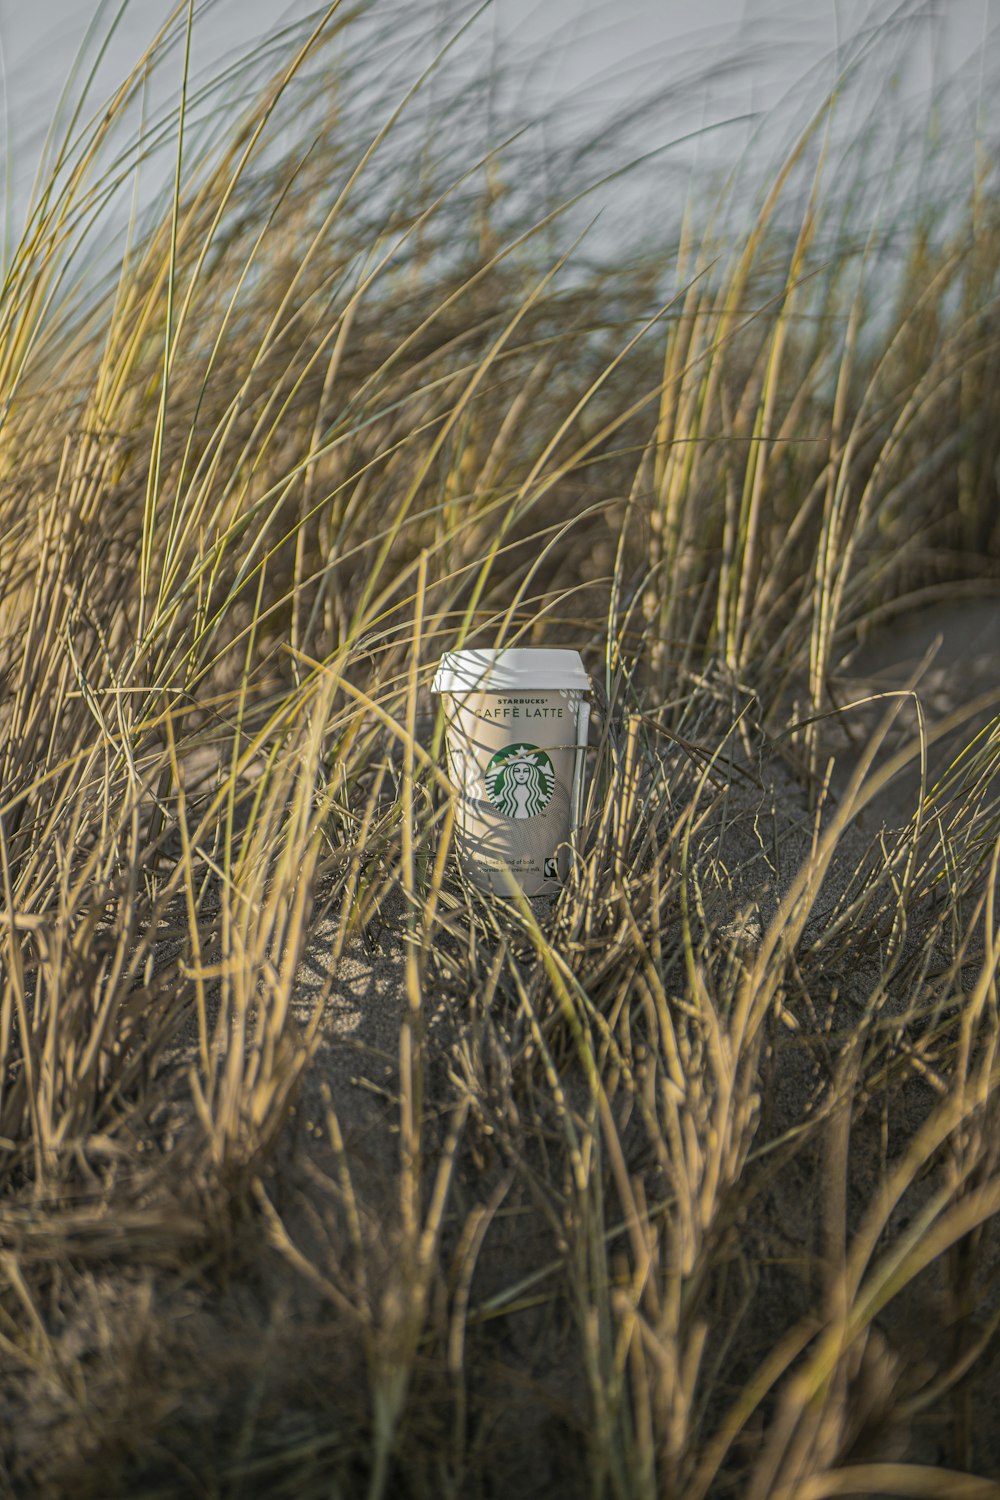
(527, 1377)
(953, 652)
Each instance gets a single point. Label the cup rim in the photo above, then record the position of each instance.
(511, 669)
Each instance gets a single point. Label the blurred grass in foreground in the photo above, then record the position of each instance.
(351, 398)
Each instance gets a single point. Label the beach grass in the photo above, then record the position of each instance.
(683, 1184)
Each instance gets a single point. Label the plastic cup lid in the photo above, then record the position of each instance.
(511, 669)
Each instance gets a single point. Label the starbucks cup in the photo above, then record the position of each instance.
(516, 733)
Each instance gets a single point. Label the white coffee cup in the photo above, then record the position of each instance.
(516, 732)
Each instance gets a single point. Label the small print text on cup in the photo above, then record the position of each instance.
(521, 708)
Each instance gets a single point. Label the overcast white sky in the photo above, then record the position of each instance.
(579, 59)
(575, 41)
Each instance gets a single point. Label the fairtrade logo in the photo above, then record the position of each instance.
(520, 781)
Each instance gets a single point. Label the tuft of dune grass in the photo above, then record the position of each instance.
(676, 1172)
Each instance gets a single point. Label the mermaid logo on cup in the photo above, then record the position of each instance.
(520, 781)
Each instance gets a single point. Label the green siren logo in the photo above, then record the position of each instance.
(520, 781)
